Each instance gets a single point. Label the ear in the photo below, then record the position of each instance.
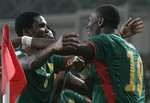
(100, 21)
(26, 32)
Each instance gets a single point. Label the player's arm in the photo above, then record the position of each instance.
(83, 49)
(58, 86)
(132, 27)
(37, 59)
(129, 28)
(38, 43)
(80, 86)
(74, 83)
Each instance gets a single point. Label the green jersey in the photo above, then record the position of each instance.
(40, 81)
(68, 96)
(116, 71)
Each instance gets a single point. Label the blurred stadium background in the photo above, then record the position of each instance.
(72, 15)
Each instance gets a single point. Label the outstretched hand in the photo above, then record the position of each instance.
(132, 27)
(68, 41)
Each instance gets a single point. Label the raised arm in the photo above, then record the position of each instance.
(38, 43)
(37, 59)
(82, 87)
(132, 27)
(58, 86)
(83, 49)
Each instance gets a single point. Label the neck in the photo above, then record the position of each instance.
(107, 30)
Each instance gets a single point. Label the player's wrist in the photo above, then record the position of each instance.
(26, 40)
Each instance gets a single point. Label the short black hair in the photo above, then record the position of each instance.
(25, 20)
(110, 14)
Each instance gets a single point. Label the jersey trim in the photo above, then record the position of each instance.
(105, 81)
(70, 79)
(92, 47)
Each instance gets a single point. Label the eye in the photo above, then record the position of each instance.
(48, 27)
(42, 25)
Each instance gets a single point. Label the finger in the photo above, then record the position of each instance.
(128, 21)
(137, 23)
(71, 39)
(134, 21)
(138, 31)
(70, 35)
(70, 44)
(139, 27)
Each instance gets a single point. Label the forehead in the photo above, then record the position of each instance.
(93, 16)
(39, 20)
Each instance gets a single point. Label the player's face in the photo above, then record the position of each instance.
(40, 28)
(92, 26)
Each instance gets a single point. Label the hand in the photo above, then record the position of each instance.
(77, 64)
(68, 41)
(132, 27)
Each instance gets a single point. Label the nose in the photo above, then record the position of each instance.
(47, 30)
(49, 33)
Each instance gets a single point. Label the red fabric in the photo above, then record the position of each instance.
(105, 81)
(11, 69)
(103, 77)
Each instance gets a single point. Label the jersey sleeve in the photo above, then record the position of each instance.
(100, 45)
(69, 75)
(59, 61)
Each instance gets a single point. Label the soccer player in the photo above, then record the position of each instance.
(39, 65)
(115, 65)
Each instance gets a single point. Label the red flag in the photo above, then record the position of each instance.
(11, 69)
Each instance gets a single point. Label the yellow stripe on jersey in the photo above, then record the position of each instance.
(51, 66)
(71, 101)
(55, 76)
